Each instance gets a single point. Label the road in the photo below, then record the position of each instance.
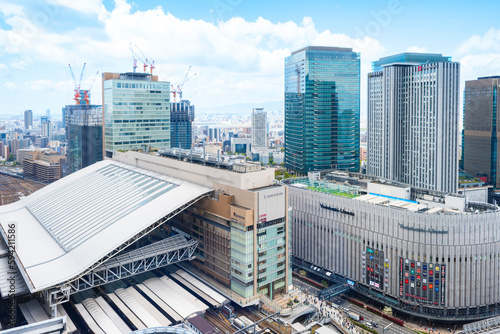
(306, 287)
(370, 317)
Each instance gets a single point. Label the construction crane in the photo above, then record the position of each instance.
(87, 92)
(133, 57)
(136, 56)
(77, 85)
(174, 91)
(142, 58)
(151, 64)
(186, 79)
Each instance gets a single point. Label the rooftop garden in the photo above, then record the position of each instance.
(335, 192)
(468, 179)
(331, 188)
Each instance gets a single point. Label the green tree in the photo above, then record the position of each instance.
(11, 157)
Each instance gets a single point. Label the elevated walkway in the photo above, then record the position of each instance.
(333, 291)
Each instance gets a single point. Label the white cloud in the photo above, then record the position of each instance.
(490, 41)
(10, 85)
(235, 60)
(3, 68)
(415, 48)
(473, 66)
(10, 9)
(85, 7)
(480, 55)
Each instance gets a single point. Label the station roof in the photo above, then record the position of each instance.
(63, 229)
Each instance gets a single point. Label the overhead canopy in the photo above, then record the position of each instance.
(63, 229)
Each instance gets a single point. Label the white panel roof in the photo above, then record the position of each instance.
(63, 229)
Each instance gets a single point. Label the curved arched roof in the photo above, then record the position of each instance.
(65, 228)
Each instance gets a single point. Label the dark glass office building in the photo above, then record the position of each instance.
(322, 109)
(84, 135)
(481, 124)
(181, 124)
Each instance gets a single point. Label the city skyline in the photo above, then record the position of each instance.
(236, 46)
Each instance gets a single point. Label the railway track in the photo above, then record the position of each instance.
(266, 323)
(12, 189)
(220, 324)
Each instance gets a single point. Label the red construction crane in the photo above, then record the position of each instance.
(136, 56)
(77, 85)
(174, 91)
(152, 66)
(146, 62)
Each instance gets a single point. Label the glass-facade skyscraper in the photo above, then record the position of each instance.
(181, 124)
(84, 135)
(322, 109)
(481, 124)
(136, 109)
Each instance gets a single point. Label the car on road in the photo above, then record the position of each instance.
(375, 324)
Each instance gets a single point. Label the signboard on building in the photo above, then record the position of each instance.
(272, 204)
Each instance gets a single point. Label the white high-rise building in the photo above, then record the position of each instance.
(47, 130)
(259, 127)
(413, 120)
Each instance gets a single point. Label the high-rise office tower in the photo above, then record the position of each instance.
(47, 130)
(28, 119)
(481, 123)
(181, 124)
(84, 135)
(322, 109)
(136, 112)
(413, 120)
(259, 127)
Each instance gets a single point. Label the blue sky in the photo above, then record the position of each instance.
(236, 47)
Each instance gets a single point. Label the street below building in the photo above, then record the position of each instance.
(305, 286)
(382, 323)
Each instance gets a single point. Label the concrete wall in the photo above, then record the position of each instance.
(388, 190)
(199, 174)
(476, 194)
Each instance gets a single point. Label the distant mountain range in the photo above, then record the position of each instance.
(241, 108)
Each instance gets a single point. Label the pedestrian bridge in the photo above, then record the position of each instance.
(298, 312)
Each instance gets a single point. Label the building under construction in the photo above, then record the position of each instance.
(84, 135)
(181, 124)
